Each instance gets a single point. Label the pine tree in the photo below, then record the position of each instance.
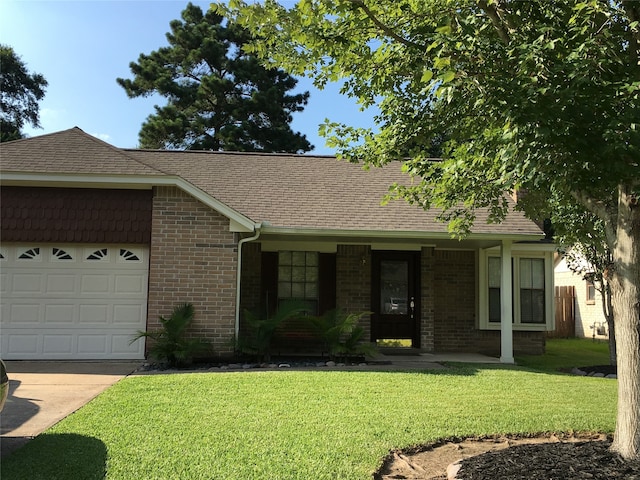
(218, 97)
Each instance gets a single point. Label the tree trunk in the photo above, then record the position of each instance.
(607, 309)
(625, 290)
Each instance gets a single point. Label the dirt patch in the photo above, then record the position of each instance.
(551, 457)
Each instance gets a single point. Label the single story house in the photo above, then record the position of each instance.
(99, 241)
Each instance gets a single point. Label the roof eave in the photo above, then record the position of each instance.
(394, 234)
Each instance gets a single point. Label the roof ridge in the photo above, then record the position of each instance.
(119, 150)
(228, 152)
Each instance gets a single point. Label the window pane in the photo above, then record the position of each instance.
(284, 289)
(297, 290)
(494, 272)
(312, 259)
(532, 306)
(537, 273)
(495, 314)
(297, 274)
(525, 273)
(284, 274)
(394, 286)
(311, 290)
(312, 274)
(284, 258)
(298, 259)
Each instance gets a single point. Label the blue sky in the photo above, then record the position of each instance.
(81, 47)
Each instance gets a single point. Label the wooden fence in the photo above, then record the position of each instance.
(565, 313)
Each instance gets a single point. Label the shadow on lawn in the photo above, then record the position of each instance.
(57, 455)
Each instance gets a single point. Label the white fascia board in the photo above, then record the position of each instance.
(529, 247)
(237, 221)
(413, 235)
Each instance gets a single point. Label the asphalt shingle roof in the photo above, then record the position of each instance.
(286, 190)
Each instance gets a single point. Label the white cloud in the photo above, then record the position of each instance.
(105, 137)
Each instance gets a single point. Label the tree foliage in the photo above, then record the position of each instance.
(20, 92)
(218, 96)
(582, 243)
(536, 95)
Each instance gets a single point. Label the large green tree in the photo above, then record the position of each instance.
(20, 92)
(218, 96)
(533, 95)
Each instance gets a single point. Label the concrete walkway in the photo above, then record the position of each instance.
(43, 393)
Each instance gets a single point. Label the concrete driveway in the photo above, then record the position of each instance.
(43, 393)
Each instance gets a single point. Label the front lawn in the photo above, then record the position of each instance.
(566, 353)
(300, 425)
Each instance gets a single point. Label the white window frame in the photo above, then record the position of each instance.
(518, 253)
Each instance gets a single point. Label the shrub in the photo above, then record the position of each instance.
(341, 334)
(170, 344)
(263, 327)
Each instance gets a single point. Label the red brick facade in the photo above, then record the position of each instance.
(353, 281)
(193, 259)
(447, 299)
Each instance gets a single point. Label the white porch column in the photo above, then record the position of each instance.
(506, 302)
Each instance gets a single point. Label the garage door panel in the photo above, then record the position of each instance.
(128, 314)
(26, 283)
(95, 284)
(4, 278)
(120, 344)
(20, 346)
(21, 314)
(58, 344)
(61, 313)
(72, 302)
(97, 344)
(57, 284)
(94, 314)
(130, 285)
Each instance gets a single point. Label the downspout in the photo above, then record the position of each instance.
(258, 227)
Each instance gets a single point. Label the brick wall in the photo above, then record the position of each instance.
(353, 281)
(427, 300)
(524, 343)
(251, 280)
(455, 310)
(455, 300)
(193, 258)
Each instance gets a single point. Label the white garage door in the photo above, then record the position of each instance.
(72, 301)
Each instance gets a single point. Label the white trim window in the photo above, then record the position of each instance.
(298, 277)
(532, 278)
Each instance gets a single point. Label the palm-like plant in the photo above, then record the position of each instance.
(262, 328)
(170, 344)
(341, 334)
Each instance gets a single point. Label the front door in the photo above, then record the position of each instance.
(395, 297)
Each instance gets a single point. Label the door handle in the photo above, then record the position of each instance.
(412, 305)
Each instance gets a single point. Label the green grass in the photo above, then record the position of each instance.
(568, 353)
(300, 425)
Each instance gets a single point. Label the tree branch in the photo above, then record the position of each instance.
(494, 15)
(600, 209)
(385, 28)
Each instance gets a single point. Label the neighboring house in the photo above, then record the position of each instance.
(98, 242)
(590, 321)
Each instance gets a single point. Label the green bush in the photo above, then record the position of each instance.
(170, 344)
(262, 328)
(341, 334)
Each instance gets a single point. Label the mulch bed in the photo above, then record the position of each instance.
(550, 461)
